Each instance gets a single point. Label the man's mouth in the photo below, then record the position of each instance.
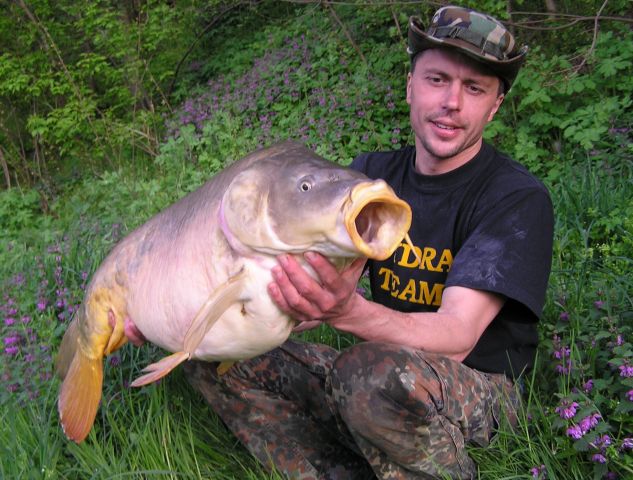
(443, 126)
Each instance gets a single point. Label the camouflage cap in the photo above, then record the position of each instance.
(475, 34)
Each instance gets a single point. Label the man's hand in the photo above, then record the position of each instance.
(310, 300)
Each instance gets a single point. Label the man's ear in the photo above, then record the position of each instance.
(495, 107)
(409, 79)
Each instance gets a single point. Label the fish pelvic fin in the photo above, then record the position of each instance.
(80, 395)
(218, 302)
(67, 349)
(224, 367)
(158, 370)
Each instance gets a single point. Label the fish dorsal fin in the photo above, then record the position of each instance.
(220, 300)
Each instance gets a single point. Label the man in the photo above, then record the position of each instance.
(446, 336)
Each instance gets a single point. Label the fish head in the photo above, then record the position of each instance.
(293, 201)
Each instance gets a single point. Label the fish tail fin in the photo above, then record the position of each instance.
(67, 349)
(80, 395)
(158, 370)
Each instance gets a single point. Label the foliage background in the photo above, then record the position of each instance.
(110, 111)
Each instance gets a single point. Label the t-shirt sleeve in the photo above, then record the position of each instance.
(509, 249)
(360, 163)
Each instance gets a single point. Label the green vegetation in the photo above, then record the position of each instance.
(111, 111)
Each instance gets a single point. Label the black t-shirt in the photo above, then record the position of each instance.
(486, 225)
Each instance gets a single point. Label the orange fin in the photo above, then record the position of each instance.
(67, 349)
(225, 366)
(80, 395)
(158, 370)
(220, 300)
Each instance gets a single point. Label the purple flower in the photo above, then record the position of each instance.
(588, 386)
(626, 370)
(601, 442)
(115, 360)
(41, 304)
(589, 422)
(564, 316)
(599, 458)
(9, 321)
(12, 340)
(629, 395)
(598, 304)
(627, 443)
(538, 472)
(566, 410)
(12, 350)
(575, 432)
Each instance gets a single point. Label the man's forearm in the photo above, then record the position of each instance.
(452, 331)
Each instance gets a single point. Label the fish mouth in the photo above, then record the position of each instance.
(376, 219)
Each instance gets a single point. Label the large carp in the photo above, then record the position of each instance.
(193, 279)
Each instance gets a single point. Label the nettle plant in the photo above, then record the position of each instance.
(595, 379)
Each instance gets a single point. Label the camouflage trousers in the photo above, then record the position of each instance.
(374, 410)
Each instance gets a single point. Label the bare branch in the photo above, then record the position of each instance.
(5, 168)
(595, 38)
(208, 27)
(345, 30)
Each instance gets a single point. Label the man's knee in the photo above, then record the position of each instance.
(375, 382)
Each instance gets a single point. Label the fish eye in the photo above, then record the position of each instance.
(305, 185)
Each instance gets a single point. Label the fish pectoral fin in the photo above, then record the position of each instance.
(224, 367)
(80, 395)
(220, 300)
(158, 370)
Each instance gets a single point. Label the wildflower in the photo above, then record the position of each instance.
(589, 422)
(41, 304)
(588, 386)
(626, 370)
(598, 304)
(538, 472)
(629, 395)
(627, 443)
(601, 442)
(575, 432)
(115, 360)
(564, 316)
(9, 321)
(12, 350)
(562, 353)
(599, 458)
(566, 410)
(12, 340)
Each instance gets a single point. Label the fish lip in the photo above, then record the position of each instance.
(376, 201)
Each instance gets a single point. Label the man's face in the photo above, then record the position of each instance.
(451, 102)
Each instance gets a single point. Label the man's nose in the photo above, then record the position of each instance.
(453, 98)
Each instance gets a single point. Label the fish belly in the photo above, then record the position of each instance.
(245, 331)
